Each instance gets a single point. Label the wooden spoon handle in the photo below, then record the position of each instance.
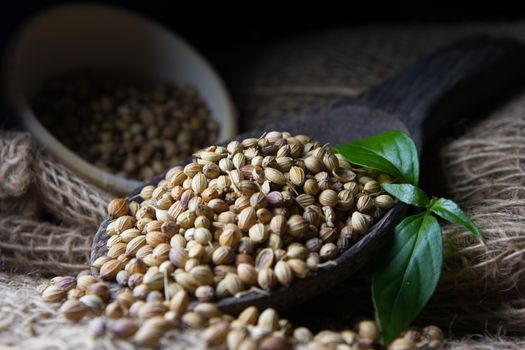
(466, 75)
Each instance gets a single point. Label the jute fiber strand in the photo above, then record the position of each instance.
(33, 184)
(15, 166)
(28, 245)
(480, 286)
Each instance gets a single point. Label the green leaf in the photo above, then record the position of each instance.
(408, 194)
(392, 152)
(407, 279)
(451, 212)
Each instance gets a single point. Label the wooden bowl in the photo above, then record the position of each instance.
(112, 40)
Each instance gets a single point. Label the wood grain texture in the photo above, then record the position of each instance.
(406, 102)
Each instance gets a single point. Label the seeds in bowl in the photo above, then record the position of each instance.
(129, 131)
(250, 216)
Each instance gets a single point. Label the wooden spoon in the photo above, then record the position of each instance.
(460, 78)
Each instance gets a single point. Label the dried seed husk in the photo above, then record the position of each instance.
(344, 175)
(329, 338)
(266, 278)
(118, 207)
(275, 199)
(305, 200)
(93, 302)
(115, 310)
(187, 281)
(371, 187)
(359, 223)
(191, 169)
(275, 176)
(275, 241)
(153, 278)
(278, 224)
(311, 187)
(247, 218)
(296, 226)
(247, 187)
(152, 309)
(283, 273)
(302, 335)
(298, 267)
(367, 330)
(124, 327)
(249, 316)
(314, 164)
(258, 233)
(264, 259)
(178, 256)
(109, 269)
(297, 175)
(116, 249)
(83, 282)
(384, 201)
(247, 274)
(222, 255)
(215, 334)
(199, 183)
(284, 163)
(74, 310)
(193, 320)
(365, 204)
(258, 200)
(162, 251)
(297, 251)
(230, 236)
(233, 283)
(126, 298)
(179, 302)
(124, 223)
(100, 261)
(100, 289)
(218, 205)
(186, 219)
(151, 331)
(205, 293)
(207, 310)
(328, 251)
(269, 320)
(202, 235)
(275, 342)
(129, 234)
(328, 198)
(135, 266)
(66, 282)
(202, 274)
(155, 238)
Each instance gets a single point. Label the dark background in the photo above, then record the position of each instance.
(214, 26)
(226, 32)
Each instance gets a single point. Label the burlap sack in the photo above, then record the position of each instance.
(480, 286)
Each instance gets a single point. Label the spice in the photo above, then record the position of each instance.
(129, 131)
(144, 322)
(251, 203)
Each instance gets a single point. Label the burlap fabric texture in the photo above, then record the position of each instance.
(481, 285)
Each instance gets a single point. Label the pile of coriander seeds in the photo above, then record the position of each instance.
(129, 131)
(251, 216)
